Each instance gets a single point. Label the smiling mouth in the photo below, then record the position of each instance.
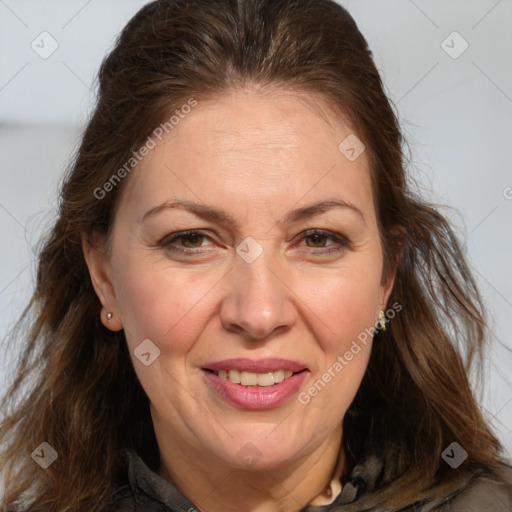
(243, 378)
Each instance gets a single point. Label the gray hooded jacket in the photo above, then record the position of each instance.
(143, 490)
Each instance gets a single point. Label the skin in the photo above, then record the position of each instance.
(257, 155)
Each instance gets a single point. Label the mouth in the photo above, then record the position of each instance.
(255, 385)
(244, 378)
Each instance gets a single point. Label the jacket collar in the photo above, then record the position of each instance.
(361, 479)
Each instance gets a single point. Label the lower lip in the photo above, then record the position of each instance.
(256, 397)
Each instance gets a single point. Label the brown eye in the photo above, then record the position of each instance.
(185, 242)
(195, 240)
(317, 239)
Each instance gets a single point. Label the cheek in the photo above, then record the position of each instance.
(161, 304)
(346, 308)
(345, 304)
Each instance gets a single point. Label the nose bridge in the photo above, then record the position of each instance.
(257, 300)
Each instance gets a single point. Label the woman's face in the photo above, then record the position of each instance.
(256, 289)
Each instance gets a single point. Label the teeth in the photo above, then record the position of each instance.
(255, 379)
(278, 376)
(234, 376)
(266, 379)
(248, 379)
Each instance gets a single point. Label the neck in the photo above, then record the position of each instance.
(214, 486)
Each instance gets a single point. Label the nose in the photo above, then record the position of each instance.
(259, 301)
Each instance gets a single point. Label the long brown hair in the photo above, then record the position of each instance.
(75, 387)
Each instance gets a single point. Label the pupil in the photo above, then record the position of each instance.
(316, 238)
(193, 238)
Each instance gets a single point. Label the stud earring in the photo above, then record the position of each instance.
(382, 320)
(109, 316)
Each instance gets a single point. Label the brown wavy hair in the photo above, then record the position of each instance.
(75, 386)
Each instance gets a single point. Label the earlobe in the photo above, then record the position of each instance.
(110, 320)
(97, 263)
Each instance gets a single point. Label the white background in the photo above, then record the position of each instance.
(456, 114)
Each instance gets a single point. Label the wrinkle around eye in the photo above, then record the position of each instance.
(339, 243)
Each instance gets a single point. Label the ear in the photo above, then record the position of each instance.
(100, 271)
(387, 287)
(398, 237)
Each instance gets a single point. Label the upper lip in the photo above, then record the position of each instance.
(256, 366)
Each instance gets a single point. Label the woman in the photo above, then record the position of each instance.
(242, 305)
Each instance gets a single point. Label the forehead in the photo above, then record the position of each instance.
(251, 120)
(267, 147)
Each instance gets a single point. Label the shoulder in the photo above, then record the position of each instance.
(125, 500)
(122, 500)
(484, 494)
(126, 495)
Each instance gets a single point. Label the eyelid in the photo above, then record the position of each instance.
(339, 239)
(167, 239)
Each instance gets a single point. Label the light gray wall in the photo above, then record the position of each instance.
(456, 113)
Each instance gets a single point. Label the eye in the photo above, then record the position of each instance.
(190, 241)
(319, 237)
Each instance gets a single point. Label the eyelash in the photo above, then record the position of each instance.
(342, 242)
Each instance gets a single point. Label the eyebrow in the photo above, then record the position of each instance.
(222, 217)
